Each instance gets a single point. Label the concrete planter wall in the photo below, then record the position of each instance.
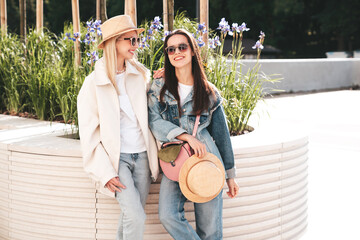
(310, 74)
(44, 193)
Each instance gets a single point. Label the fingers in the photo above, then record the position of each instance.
(231, 193)
(114, 184)
(233, 188)
(159, 73)
(201, 151)
(198, 147)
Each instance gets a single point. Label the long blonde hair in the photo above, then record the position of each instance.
(110, 59)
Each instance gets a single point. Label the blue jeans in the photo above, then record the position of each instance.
(134, 173)
(208, 216)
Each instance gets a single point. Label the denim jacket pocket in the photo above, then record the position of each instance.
(170, 112)
(204, 118)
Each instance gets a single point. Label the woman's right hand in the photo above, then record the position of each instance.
(114, 184)
(198, 147)
(160, 73)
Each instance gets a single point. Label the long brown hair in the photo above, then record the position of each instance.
(202, 89)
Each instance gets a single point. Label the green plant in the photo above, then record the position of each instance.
(70, 76)
(241, 91)
(41, 76)
(41, 56)
(12, 87)
(150, 52)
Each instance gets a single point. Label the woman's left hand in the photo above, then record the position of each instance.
(233, 187)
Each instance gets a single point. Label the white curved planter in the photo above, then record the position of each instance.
(44, 193)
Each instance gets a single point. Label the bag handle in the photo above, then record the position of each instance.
(196, 125)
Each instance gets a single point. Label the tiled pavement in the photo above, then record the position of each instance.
(332, 122)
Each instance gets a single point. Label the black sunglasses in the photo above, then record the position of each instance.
(133, 40)
(172, 49)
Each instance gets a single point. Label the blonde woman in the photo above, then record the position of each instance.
(119, 151)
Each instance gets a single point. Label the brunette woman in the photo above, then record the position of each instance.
(174, 102)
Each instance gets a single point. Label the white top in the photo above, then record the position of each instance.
(184, 91)
(131, 137)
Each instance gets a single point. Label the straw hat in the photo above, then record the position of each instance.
(202, 179)
(116, 26)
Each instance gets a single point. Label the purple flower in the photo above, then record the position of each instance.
(243, 27)
(98, 31)
(166, 33)
(93, 57)
(213, 43)
(234, 28)
(97, 23)
(143, 43)
(217, 41)
(89, 23)
(262, 35)
(200, 41)
(258, 45)
(201, 28)
(156, 24)
(224, 26)
(67, 35)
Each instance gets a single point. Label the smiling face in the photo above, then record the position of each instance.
(179, 59)
(124, 49)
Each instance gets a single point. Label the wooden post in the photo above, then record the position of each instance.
(3, 14)
(76, 26)
(165, 15)
(171, 14)
(22, 8)
(98, 10)
(130, 9)
(103, 15)
(204, 17)
(39, 15)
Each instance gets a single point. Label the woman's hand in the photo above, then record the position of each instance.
(233, 187)
(198, 147)
(159, 73)
(114, 184)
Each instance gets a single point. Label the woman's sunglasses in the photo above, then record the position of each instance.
(172, 49)
(133, 40)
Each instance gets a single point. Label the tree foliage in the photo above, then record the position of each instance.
(300, 28)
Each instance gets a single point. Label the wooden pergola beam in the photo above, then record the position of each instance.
(22, 9)
(204, 17)
(170, 7)
(165, 15)
(39, 15)
(98, 10)
(76, 27)
(3, 14)
(130, 9)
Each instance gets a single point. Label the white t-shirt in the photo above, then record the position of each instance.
(184, 91)
(132, 139)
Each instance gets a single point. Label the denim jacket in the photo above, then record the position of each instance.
(166, 125)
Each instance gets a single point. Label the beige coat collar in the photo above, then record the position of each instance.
(101, 77)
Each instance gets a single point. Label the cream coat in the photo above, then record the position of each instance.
(99, 123)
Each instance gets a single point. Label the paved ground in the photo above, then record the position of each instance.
(332, 121)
